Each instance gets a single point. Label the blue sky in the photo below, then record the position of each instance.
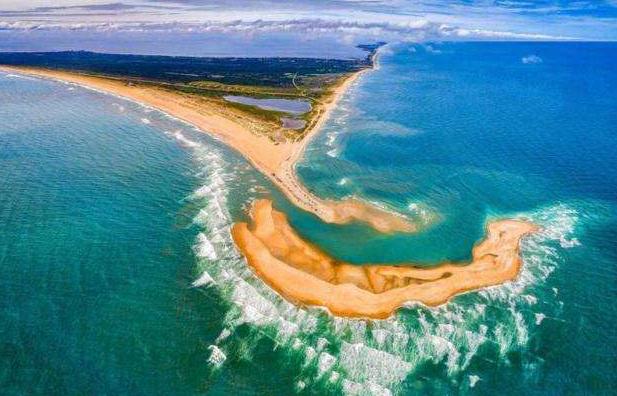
(293, 27)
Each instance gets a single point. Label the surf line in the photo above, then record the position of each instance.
(275, 160)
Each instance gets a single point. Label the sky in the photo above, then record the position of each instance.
(312, 28)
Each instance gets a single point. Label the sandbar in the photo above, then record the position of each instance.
(305, 275)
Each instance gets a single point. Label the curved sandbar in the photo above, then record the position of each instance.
(305, 275)
(276, 160)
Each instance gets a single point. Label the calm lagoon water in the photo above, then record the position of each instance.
(118, 274)
(291, 106)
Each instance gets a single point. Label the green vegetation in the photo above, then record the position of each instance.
(211, 79)
(311, 88)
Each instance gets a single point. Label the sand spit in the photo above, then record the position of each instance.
(305, 275)
(276, 160)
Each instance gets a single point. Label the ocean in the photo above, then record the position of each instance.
(118, 274)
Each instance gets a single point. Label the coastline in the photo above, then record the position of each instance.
(298, 270)
(305, 275)
(275, 160)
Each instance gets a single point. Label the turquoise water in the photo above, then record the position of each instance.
(119, 276)
(96, 249)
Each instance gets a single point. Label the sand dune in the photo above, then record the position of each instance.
(305, 275)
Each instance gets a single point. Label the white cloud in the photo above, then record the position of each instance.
(495, 34)
(506, 19)
(418, 29)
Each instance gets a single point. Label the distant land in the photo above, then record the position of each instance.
(177, 86)
(277, 71)
(213, 78)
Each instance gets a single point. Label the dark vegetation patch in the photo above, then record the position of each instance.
(213, 78)
(272, 72)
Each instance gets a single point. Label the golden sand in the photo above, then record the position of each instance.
(305, 275)
(276, 160)
(298, 270)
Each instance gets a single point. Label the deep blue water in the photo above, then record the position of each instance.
(118, 275)
(455, 134)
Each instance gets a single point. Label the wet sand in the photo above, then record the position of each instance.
(276, 160)
(306, 275)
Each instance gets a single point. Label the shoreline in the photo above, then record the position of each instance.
(277, 161)
(299, 270)
(305, 275)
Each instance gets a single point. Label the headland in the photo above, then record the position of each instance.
(270, 149)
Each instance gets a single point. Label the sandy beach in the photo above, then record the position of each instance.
(276, 160)
(298, 270)
(306, 275)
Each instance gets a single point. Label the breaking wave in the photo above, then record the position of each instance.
(19, 76)
(376, 357)
(360, 357)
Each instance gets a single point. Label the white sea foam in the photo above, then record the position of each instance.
(300, 385)
(333, 153)
(202, 191)
(297, 344)
(521, 334)
(369, 364)
(322, 343)
(203, 280)
(372, 359)
(204, 247)
(421, 212)
(184, 140)
(380, 335)
(217, 356)
(325, 363)
(568, 243)
(368, 388)
(225, 333)
(19, 76)
(310, 354)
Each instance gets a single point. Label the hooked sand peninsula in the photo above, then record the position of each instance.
(274, 158)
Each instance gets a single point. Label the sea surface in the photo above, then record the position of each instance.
(118, 274)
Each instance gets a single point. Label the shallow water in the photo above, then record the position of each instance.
(119, 276)
(291, 106)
